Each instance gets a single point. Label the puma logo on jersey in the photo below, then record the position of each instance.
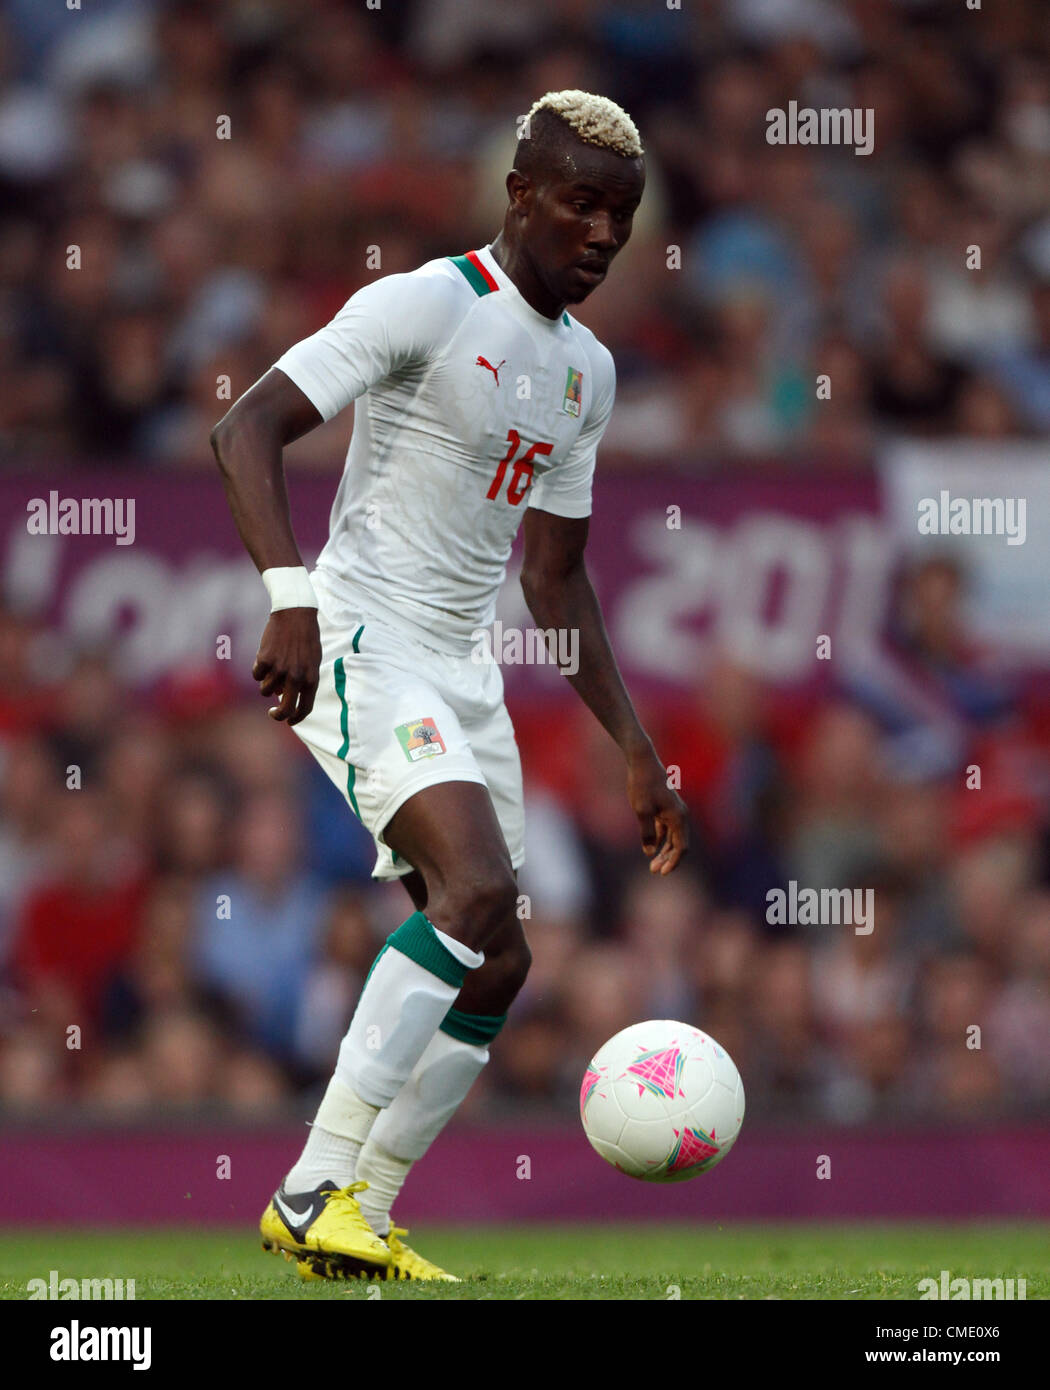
(481, 362)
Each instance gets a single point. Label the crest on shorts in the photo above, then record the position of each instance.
(573, 401)
(420, 739)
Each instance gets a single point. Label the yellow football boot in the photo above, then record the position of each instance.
(405, 1263)
(325, 1231)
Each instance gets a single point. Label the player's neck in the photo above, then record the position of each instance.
(517, 269)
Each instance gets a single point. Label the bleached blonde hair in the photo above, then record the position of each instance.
(594, 119)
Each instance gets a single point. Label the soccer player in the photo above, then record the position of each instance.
(481, 401)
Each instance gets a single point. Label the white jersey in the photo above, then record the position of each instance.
(474, 405)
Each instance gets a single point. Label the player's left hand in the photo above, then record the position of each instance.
(661, 812)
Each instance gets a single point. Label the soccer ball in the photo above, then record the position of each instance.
(662, 1101)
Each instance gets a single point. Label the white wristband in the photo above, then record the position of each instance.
(289, 587)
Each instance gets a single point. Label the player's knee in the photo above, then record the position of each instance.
(518, 960)
(497, 984)
(474, 909)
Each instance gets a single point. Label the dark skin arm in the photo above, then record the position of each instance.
(559, 594)
(248, 443)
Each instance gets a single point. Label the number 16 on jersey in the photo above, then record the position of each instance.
(521, 477)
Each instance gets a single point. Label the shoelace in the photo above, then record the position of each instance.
(408, 1259)
(344, 1197)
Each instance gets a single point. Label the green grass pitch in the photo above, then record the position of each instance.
(558, 1262)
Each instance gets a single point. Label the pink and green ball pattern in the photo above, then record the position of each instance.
(662, 1101)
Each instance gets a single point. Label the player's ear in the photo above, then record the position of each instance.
(519, 190)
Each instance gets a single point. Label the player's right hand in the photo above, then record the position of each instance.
(662, 814)
(288, 662)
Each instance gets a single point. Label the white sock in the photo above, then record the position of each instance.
(400, 1009)
(342, 1125)
(385, 1174)
(409, 1125)
(465, 956)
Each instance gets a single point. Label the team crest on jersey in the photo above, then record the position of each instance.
(420, 739)
(573, 402)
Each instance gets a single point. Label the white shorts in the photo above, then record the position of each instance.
(392, 716)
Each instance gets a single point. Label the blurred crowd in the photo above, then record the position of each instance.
(187, 914)
(229, 172)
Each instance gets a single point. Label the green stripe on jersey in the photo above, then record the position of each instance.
(344, 725)
(477, 281)
(471, 273)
